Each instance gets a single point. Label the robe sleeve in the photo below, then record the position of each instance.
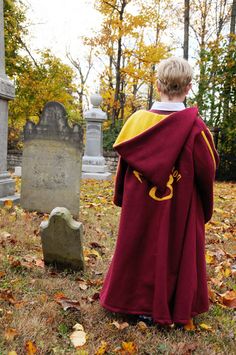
(119, 182)
(206, 161)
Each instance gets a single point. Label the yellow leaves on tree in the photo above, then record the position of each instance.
(47, 80)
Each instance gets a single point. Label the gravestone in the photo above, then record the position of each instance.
(51, 164)
(94, 164)
(62, 240)
(7, 92)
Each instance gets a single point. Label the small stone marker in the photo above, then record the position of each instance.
(51, 164)
(61, 239)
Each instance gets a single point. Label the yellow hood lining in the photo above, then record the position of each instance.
(138, 123)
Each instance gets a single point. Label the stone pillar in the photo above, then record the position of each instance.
(7, 92)
(94, 164)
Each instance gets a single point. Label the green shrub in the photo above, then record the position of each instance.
(110, 134)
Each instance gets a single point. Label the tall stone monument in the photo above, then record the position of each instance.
(7, 92)
(51, 164)
(94, 164)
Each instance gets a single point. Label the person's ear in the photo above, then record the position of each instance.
(158, 87)
(188, 88)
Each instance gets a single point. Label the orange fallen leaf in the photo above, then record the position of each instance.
(10, 334)
(8, 204)
(102, 349)
(129, 347)
(190, 326)
(229, 299)
(2, 274)
(30, 348)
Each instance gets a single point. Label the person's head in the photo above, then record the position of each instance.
(174, 76)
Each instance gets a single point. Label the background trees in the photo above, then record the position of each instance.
(37, 79)
(134, 36)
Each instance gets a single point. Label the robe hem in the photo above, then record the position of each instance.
(145, 313)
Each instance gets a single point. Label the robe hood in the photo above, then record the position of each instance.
(151, 143)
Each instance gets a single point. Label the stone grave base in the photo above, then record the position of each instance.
(14, 198)
(97, 176)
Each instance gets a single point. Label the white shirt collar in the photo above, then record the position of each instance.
(168, 106)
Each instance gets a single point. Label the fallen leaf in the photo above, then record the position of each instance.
(30, 348)
(190, 326)
(210, 259)
(102, 349)
(205, 326)
(91, 252)
(185, 348)
(229, 299)
(5, 235)
(96, 296)
(142, 326)
(218, 210)
(227, 272)
(40, 263)
(67, 303)
(78, 337)
(7, 296)
(78, 326)
(83, 286)
(96, 245)
(8, 204)
(12, 353)
(120, 326)
(211, 294)
(129, 347)
(10, 334)
(2, 274)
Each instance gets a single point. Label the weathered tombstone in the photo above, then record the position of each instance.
(7, 92)
(51, 164)
(62, 240)
(94, 164)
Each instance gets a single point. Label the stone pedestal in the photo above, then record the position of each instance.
(94, 164)
(7, 92)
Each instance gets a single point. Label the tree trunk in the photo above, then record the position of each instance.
(233, 18)
(228, 81)
(186, 28)
(116, 109)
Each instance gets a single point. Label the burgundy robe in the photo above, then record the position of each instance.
(164, 184)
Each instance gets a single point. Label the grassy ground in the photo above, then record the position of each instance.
(32, 322)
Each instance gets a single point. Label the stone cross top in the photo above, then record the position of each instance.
(7, 92)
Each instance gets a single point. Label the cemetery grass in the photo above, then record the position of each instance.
(32, 320)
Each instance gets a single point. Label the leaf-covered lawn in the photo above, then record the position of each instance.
(43, 311)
